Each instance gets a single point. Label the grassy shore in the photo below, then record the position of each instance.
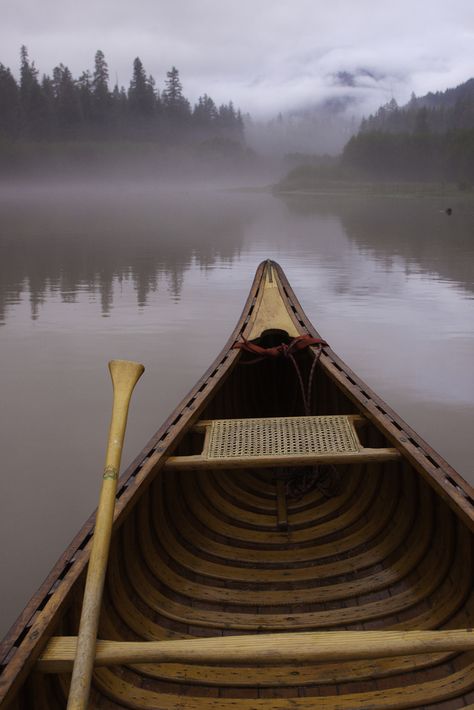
(318, 180)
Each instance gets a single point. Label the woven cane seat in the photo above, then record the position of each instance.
(285, 436)
(280, 441)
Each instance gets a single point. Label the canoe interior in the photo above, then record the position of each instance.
(368, 546)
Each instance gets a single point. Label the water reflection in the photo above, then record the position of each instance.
(415, 230)
(70, 241)
(64, 241)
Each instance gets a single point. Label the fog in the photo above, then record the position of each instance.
(141, 167)
(276, 79)
(269, 57)
(322, 130)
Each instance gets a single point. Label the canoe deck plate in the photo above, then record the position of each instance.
(290, 436)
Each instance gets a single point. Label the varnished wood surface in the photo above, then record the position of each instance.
(203, 554)
(263, 650)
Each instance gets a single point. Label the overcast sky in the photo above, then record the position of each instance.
(265, 55)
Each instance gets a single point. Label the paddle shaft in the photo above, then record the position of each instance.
(124, 375)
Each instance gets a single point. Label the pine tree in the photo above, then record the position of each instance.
(421, 121)
(230, 123)
(84, 88)
(31, 97)
(141, 94)
(50, 121)
(239, 125)
(176, 108)
(205, 111)
(119, 110)
(173, 94)
(9, 103)
(68, 107)
(100, 77)
(28, 76)
(101, 99)
(63, 107)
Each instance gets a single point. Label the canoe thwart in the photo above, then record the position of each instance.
(265, 649)
(280, 441)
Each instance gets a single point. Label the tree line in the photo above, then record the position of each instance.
(63, 108)
(414, 156)
(430, 138)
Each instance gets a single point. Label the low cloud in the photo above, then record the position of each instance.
(267, 57)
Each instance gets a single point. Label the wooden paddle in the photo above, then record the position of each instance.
(124, 375)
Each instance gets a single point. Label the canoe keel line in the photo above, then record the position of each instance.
(228, 587)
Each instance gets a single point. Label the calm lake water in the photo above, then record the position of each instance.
(160, 276)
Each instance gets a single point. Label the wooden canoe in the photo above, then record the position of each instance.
(266, 555)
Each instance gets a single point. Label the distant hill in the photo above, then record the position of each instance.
(446, 99)
(323, 128)
(431, 138)
(439, 112)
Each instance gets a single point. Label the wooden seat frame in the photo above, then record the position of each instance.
(246, 454)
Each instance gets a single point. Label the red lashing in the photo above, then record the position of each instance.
(282, 350)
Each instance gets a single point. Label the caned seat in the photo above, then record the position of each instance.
(280, 441)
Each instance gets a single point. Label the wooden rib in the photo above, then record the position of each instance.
(281, 513)
(441, 608)
(219, 490)
(222, 508)
(287, 675)
(208, 500)
(236, 489)
(421, 589)
(382, 516)
(338, 512)
(204, 675)
(374, 547)
(220, 525)
(409, 696)
(261, 487)
(370, 582)
(444, 609)
(238, 492)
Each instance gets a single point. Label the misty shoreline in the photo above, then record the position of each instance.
(396, 189)
(225, 183)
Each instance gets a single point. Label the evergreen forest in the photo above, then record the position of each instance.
(62, 108)
(430, 138)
